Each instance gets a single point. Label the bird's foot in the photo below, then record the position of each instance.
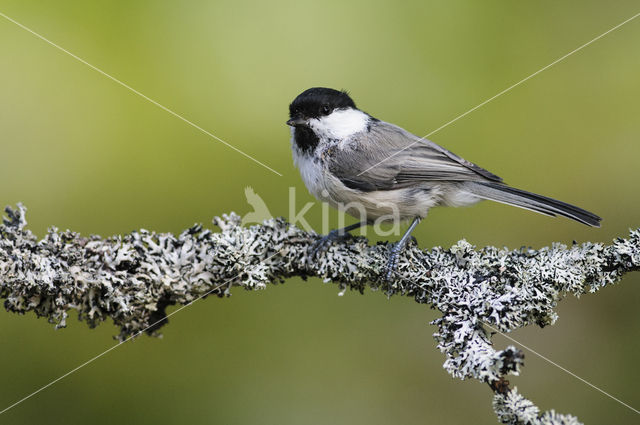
(392, 265)
(322, 244)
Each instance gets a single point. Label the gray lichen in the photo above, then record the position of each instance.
(134, 278)
(512, 408)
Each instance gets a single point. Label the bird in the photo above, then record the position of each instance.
(377, 171)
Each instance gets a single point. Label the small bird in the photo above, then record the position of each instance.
(375, 170)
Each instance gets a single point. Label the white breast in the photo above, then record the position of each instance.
(311, 172)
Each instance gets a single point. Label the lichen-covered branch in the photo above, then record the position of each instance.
(133, 278)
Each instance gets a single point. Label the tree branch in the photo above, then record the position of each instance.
(133, 278)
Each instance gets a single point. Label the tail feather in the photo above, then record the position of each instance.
(541, 204)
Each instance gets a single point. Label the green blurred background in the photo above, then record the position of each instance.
(86, 154)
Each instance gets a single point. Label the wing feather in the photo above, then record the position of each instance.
(389, 157)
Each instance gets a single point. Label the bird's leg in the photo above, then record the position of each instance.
(323, 243)
(397, 249)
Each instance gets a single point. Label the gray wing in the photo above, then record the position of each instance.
(389, 157)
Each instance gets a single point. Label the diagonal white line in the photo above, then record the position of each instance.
(505, 90)
(91, 360)
(175, 114)
(561, 368)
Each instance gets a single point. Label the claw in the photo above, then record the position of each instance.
(322, 244)
(392, 264)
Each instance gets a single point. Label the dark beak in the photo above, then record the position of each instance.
(297, 121)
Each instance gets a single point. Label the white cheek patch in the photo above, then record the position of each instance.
(340, 124)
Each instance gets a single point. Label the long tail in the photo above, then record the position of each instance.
(519, 198)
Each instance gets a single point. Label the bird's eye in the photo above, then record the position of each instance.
(326, 109)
